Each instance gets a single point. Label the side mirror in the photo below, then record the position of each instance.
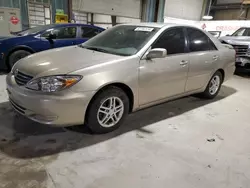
(156, 53)
(51, 36)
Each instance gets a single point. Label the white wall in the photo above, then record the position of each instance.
(225, 27)
(126, 8)
(179, 21)
(106, 20)
(184, 9)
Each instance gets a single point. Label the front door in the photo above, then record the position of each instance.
(65, 36)
(203, 57)
(164, 77)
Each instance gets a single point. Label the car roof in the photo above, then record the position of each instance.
(73, 24)
(159, 25)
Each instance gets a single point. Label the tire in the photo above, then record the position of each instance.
(100, 110)
(15, 56)
(210, 93)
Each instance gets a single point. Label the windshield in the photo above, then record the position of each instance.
(242, 32)
(121, 40)
(35, 30)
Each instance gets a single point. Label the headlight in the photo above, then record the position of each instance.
(53, 83)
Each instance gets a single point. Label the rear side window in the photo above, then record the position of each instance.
(88, 32)
(199, 41)
(172, 40)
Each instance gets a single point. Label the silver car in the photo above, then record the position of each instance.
(240, 40)
(122, 70)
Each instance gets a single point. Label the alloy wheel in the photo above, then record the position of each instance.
(214, 85)
(110, 112)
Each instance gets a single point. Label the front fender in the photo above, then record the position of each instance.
(124, 72)
(20, 47)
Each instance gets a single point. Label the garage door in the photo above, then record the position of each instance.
(126, 8)
(39, 14)
(80, 17)
(184, 9)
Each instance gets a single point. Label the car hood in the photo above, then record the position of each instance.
(236, 40)
(5, 37)
(62, 61)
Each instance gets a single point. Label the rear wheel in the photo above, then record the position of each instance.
(213, 87)
(108, 110)
(15, 56)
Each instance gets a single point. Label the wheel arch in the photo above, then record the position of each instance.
(222, 73)
(22, 47)
(125, 88)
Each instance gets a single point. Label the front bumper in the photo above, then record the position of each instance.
(243, 63)
(61, 109)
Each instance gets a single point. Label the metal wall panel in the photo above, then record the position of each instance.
(10, 3)
(127, 8)
(231, 14)
(58, 4)
(184, 9)
(5, 21)
(221, 2)
(101, 20)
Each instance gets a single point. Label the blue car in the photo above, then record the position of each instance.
(41, 38)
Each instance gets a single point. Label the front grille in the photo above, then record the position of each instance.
(21, 78)
(17, 107)
(241, 49)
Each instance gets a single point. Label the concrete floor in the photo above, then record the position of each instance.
(163, 146)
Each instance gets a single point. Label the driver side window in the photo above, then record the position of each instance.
(61, 33)
(172, 40)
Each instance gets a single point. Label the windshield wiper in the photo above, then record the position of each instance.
(94, 48)
(101, 50)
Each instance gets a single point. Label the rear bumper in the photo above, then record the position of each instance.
(66, 109)
(229, 72)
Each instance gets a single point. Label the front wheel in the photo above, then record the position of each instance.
(107, 110)
(15, 56)
(213, 86)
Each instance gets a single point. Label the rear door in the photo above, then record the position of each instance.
(203, 56)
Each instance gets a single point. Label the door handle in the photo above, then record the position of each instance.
(183, 63)
(215, 58)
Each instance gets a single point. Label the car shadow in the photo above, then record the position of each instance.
(3, 73)
(22, 138)
(242, 73)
